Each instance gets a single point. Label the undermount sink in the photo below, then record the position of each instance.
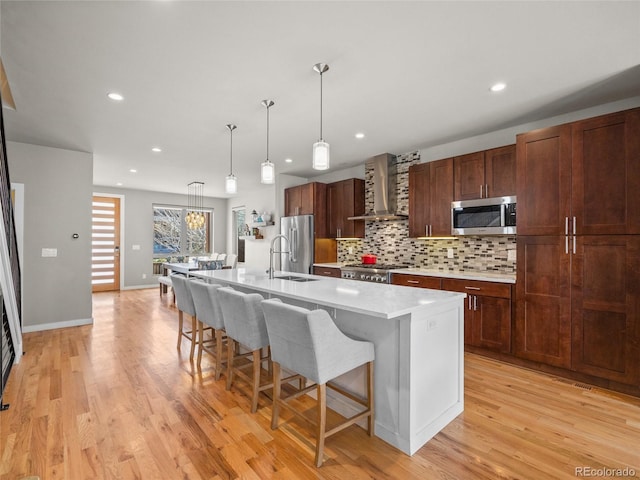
(296, 279)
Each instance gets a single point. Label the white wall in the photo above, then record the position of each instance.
(57, 204)
(261, 200)
(138, 230)
(508, 135)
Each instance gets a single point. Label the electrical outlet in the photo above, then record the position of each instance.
(449, 252)
(350, 250)
(144, 275)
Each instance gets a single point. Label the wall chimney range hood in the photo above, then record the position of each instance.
(384, 189)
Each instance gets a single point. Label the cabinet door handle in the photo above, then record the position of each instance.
(475, 302)
(426, 230)
(469, 301)
(481, 191)
(338, 232)
(574, 225)
(566, 245)
(413, 281)
(486, 190)
(566, 225)
(472, 288)
(574, 244)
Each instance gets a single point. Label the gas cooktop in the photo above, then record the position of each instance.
(377, 266)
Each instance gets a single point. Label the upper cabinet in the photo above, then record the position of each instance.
(308, 199)
(580, 178)
(345, 199)
(430, 197)
(490, 173)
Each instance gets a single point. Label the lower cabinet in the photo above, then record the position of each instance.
(578, 304)
(487, 317)
(421, 281)
(327, 271)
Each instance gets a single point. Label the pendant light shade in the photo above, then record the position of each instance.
(321, 149)
(267, 169)
(231, 182)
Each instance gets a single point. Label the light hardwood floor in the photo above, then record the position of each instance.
(116, 400)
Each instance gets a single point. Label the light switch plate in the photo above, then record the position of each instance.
(449, 252)
(49, 252)
(135, 247)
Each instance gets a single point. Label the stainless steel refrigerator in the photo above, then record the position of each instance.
(299, 231)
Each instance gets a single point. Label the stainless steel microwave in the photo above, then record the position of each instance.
(485, 216)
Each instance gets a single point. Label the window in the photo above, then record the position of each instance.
(171, 237)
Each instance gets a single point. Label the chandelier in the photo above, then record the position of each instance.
(195, 217)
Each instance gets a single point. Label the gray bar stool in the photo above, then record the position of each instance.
(308, 342)
(184, 303)
(244, 324)
(209, 312)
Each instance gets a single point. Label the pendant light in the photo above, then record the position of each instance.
(267, 169)
(231, 182)
(195, 216)
(321, 148)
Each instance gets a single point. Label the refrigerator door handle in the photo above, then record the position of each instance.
(293, 244)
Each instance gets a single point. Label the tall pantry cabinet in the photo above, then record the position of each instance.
(578, 268)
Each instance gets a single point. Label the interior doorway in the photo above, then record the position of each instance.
(105, 244)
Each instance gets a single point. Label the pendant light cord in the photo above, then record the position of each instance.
(231, 153)
(321, 106)
(268, 131)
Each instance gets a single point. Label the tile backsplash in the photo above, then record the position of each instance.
(390, 241)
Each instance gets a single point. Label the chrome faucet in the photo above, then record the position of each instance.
(272, 251)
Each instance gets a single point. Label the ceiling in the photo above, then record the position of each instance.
(409, 75)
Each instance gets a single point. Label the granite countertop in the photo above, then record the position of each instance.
(374, 299)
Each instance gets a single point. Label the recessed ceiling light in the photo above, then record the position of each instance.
(115, 96)
(156, 149)
(498, 87)
(359, 135)
(133, 170)
(119, 184)
(288, 160)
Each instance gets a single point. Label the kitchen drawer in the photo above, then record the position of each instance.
(416, 281)
(327, 272)
(477, 287)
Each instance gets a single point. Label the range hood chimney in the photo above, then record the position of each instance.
(384, 189)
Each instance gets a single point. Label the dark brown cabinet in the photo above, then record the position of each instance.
(487, 317)
(327, 271)
(605, 304)
(578, 247)
(580, 178)
(490, 173)
(430, 197)
(308, 199)
(543, 308)
(345, 199)
(421, 281)
(605, 175)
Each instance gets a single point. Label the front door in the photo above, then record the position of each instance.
(105, 244)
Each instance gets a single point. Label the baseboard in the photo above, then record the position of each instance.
(138, 287)
(52, 326)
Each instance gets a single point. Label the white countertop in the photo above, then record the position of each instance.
(463, 275)
(432, 272)
(379, 300)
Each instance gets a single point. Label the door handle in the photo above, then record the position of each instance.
(566, 245)
(472, 288)
(486, 190)
(475, 302)
(566, 225)
(574, 225)
(413, 281)
(480, 191)
(469, 301)
(574, 244)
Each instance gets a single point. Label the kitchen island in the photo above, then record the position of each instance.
(418, 337)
